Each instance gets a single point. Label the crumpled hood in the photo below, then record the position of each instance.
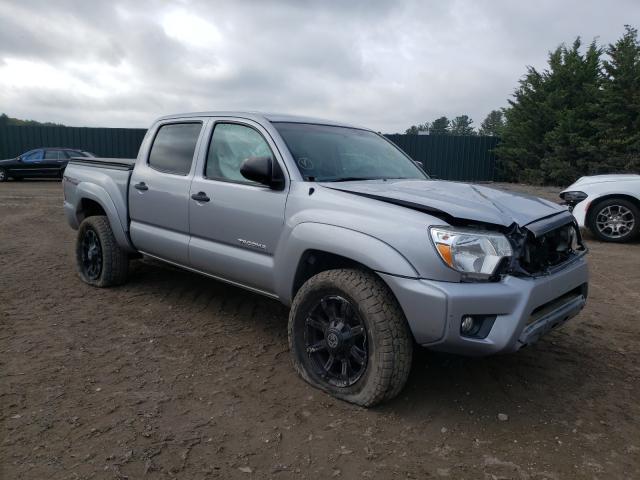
(459, 200)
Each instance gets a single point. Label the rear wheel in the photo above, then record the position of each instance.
(349, 337)
(614, 220)
(99, 259)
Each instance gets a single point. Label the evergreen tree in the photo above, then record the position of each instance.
(493, 125)
(461, 125)
(618, 118)
(549, 135)
(416, 129)
(440, 126)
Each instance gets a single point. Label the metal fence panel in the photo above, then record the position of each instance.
(449, 157)
(104, 142)
(467, 158)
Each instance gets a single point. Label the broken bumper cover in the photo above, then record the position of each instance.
(522, 309)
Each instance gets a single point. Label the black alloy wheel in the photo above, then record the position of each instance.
(336, 341)
(91, 254)
(349, 337)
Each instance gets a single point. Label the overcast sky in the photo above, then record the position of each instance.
(382, 64)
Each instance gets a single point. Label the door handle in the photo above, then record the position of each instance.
(141, 186)
(200, 197)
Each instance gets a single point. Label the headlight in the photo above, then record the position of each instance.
(471, 251)
(573, 198)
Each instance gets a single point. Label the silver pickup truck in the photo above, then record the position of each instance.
(334, 220)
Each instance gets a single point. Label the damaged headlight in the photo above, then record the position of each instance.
(471, 251)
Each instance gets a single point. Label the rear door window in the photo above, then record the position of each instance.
(173, 148)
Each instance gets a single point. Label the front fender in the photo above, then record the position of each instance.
(94, 192)
(357, 246)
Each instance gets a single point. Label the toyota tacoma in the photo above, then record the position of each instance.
(372, 256)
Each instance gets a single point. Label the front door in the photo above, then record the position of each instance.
(29, 164)
(159, 192)
(235, 223)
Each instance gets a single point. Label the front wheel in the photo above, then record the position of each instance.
(614, 220)
(349, 337)
(3, 175)
(99, 259)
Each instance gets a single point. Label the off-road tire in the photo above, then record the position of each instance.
(599, 206)
(115, 260)
(390, 344)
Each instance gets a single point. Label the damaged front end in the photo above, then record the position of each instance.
(544, 246)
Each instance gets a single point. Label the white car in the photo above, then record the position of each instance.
(608, 205)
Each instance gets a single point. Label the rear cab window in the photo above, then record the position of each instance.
(174, 146)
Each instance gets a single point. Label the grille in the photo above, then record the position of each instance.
(550, 250)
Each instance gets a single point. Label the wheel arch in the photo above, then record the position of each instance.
(624, 196)
(94, 200)
(314, 247)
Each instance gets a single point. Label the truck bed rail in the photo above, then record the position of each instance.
(117, 163)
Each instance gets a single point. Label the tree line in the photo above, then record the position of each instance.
(7, 121)
(578, 116)
(461, 125)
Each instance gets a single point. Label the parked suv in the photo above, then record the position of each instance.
(336, 221)
(39, 163)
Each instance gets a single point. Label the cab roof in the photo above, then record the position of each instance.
(261, 116)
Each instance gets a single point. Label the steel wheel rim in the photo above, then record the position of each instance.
(91, 254)
(615, 221)
(335, 340)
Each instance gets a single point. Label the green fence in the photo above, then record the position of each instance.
(443, 156)
(452, 157)
(104, 142)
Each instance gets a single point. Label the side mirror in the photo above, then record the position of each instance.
(263, 170)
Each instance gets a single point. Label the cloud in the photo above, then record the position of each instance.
(382, 64)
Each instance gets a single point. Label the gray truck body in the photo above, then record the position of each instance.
(259, 238)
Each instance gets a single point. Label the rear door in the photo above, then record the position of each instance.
(53, 161)
(235, 223)
(159, 191)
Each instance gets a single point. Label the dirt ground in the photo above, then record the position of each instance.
(178, 376)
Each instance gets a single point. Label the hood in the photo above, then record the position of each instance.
(458, 201)
(617, 177)
(8, 160)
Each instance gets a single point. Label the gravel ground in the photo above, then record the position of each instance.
(178, 376)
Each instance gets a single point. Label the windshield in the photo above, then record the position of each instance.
(331, 154)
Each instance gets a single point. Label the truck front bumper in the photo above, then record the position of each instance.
(518, 310)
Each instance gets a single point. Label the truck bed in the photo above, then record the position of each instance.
(103, 180)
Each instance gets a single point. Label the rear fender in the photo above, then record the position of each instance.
(91, 191)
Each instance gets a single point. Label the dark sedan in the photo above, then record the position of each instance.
(39, 163)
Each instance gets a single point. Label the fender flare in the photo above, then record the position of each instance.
(91, 191)
(352, 244)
